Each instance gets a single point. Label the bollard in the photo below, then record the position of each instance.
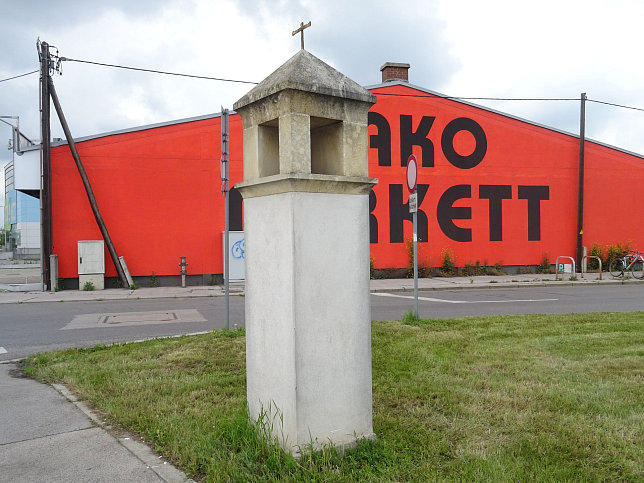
(183, 264)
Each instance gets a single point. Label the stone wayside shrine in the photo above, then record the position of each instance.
(306, 199)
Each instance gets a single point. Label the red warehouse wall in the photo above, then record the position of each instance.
(158, 191)
(613, 201)
(492, 189)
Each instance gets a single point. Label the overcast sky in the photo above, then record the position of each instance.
(470, 48)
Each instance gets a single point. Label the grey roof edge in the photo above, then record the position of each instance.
(128, 130)
(375, 86)
(500, 113)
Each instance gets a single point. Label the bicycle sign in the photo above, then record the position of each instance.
(633, 261)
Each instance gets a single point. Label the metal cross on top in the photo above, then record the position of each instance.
(301, 31)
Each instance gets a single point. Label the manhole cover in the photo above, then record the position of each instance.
(126, 319)
(139, 317)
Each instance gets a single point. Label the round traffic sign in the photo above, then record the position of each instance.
(412, 173)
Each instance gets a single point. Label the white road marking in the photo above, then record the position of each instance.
(3, 350)
(445, 301)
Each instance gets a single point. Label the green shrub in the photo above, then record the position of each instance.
(544, 266)
(409, 318)
(596, 251)
(448, 266)
(616, 251)
(154, 280)
(469, 269)
(88, 287)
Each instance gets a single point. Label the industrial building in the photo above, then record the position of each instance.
(493, 189)
(21, 219)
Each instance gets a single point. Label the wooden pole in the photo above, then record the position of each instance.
(45, 168)
(580, 190)
(88, 187)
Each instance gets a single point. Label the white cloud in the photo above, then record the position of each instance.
(497, 48)
(552, 49)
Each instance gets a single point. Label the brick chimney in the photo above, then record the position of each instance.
(394, 71)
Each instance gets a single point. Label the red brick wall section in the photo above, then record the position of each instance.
(395, 72)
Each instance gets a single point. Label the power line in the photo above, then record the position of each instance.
(156, 71)
(615, 105)
(21, 75)
(457, 98)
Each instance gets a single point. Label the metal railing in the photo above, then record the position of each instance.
(573, 274)
(583, 264)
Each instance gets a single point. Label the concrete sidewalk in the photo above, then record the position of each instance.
(45, 438)
(27, 293)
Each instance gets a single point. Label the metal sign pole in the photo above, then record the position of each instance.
(411, 177)
(226, 192)
(415, 221)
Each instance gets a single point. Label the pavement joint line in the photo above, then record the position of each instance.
(166, 471)
(47, 436)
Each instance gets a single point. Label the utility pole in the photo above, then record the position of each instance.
(225, 189)
(45, 168)
(580, 191)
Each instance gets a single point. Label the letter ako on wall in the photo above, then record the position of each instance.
(492, 188)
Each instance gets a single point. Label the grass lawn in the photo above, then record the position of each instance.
(510, 398)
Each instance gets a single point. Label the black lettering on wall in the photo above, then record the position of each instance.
(447, 143)
(373, 221)
(409, 138)
(446, 212)
(496, 193)
(382, 140)
(534, 195)
(399, 211)
(235, 216)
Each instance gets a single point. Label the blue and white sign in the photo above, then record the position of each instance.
(236, 255)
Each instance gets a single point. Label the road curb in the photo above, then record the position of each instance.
(165, 470)
(506, 285)
(387, 285)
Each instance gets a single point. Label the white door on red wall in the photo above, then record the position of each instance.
(91, 257)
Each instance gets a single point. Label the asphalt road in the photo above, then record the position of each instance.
(27, 329)
(37, 327)
(524, 300)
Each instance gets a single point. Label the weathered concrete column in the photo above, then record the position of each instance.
(306, 215)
